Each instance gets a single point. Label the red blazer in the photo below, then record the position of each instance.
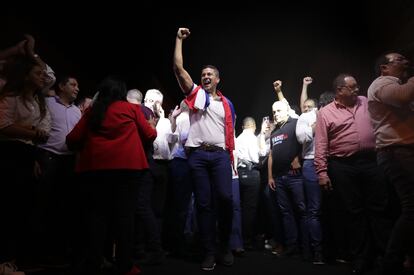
(118, 145)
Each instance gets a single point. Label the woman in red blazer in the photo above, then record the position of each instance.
(109, 139)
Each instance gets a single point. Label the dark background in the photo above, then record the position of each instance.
(251, 45)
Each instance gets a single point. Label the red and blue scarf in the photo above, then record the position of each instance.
(197, 101)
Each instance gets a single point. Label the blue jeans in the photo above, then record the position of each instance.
(275, 215)
(212, 178)
(291, 199)
(313, 204)
(236, 239)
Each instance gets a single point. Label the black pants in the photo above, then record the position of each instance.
(147, 232)
(16, 202)
(56, 208)
(110, 196)
(398, 165)
(361, 186)
(249, 180)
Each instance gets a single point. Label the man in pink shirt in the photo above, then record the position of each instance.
(345, 161)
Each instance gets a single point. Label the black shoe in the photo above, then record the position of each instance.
(290, 251)
(152, 258)
(318, 258)
(238, 252)
(248, 245)
(307, 256)
(342, 257)
(226, 258)
(360, 267)
(208, 263)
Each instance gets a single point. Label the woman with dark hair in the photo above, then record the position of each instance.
(111, 164)
(24, 122)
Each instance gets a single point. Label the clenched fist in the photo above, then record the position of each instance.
(183, 33)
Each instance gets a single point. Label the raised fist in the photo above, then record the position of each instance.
(277, 85)
(183, 33)
(307, 80)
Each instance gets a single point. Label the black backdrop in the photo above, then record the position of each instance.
(252, 46)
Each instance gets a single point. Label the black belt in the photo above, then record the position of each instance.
(248, 165)
(365, 154)
(209, 148)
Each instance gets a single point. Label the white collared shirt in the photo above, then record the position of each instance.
(161, 144)
(305, 134)
(247, 146)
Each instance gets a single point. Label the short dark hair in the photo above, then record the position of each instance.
(325, 98)
(381, 60)
(339, 81)
(212, 67)
(62, 80)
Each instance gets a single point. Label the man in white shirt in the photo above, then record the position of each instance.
(248, 153)
(211, 139)
(159, 164)
(180, 177)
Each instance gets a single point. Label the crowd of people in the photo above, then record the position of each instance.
(114, 183)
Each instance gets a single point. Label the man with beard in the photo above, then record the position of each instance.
(210, 145)
(345, 154)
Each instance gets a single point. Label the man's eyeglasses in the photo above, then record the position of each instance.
(353, 88)
(398, 59)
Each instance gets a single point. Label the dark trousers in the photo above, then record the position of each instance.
(16, 202)
(182, 189)
(160, 172)
(334, 222)
(362, 187)
(212, 179)
(147, 231)
(56, 208)
(236, 239)
(270, 218)
(313, 204)
(291, 201)
(398, 165)
(110, 196)
(249, 195)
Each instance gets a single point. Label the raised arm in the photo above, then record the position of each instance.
(49, 73)
(277, 85)
(304, 94)
(30, 52)
(397, 95)
(17, 49)
(183, 78)
(173, 118)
